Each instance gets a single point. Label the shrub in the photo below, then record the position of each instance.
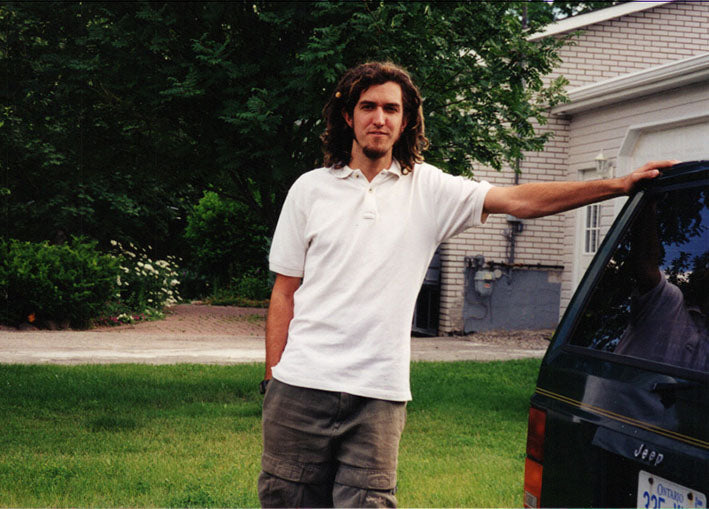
(253, 284)
(61, 283)
(226, 239)
(251, 289)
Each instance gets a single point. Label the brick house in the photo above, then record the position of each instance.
(639, 90)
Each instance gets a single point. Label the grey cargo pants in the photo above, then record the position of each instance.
(328, 449)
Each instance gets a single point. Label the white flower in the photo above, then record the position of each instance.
(174, 282)
(118, 280)
(114, 243)
(141, 264)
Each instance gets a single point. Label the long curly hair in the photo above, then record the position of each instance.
(338, 136)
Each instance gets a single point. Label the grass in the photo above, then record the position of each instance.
(464, 443)
(189, 435)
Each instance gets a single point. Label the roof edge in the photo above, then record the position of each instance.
(591, 18)
(640, 83)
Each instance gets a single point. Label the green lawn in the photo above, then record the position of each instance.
(189, 435)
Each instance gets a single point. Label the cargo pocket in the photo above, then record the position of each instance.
(276, 492)
(363, 487)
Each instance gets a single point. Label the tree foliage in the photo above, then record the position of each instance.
(115, 117)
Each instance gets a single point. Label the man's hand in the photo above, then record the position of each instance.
(647, 171)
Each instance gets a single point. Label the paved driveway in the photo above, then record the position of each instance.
(219, 335)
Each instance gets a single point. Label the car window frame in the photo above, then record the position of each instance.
(570, 322)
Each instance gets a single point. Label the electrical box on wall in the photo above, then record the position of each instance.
(484, 279)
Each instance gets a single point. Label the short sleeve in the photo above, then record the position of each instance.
(457, 202)
(288, 247)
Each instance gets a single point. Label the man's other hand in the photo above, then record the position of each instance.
(647, 171)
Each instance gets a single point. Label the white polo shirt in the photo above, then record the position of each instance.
(362, 249)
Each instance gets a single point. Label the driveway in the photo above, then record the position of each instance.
(225, 335)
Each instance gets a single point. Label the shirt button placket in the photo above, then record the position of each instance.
(370, 205)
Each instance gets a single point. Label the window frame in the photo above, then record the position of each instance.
(592, 232)
(570, 322)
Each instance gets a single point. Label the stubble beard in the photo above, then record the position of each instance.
(375, 153)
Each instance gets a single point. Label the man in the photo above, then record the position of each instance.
(350, 251)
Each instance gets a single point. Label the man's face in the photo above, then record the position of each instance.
(377, 120)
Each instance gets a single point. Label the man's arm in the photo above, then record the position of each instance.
(280, 313)
(543, 199)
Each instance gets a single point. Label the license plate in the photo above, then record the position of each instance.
(655, 493)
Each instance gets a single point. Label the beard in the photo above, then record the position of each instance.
(374, 153)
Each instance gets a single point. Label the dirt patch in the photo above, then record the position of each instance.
(201, 319)
(531, 339)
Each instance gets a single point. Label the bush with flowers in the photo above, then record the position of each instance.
(143, 286)
(75, 284)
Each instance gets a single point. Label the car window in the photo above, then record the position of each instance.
(652, 299)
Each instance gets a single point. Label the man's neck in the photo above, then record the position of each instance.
(370, 168)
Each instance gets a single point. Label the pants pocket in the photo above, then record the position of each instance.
(352, 496)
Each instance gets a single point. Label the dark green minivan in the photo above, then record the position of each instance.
(620, 414)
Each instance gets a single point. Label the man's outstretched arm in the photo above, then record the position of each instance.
(546, 198)
(280, 314)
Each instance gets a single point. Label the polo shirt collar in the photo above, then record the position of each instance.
(341, 173)
(346, 171)
(395, 168)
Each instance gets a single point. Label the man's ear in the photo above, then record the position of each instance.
(347, 117)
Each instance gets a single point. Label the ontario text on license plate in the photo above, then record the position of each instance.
(655, 493)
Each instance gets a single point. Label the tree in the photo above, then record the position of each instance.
(88, 147)
(119, 115)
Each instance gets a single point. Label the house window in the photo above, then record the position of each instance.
(592, 229)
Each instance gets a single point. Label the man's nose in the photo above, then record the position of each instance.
(379, 116)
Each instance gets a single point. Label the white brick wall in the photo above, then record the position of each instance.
(621, 46)
(635, 42)
(605, 50)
